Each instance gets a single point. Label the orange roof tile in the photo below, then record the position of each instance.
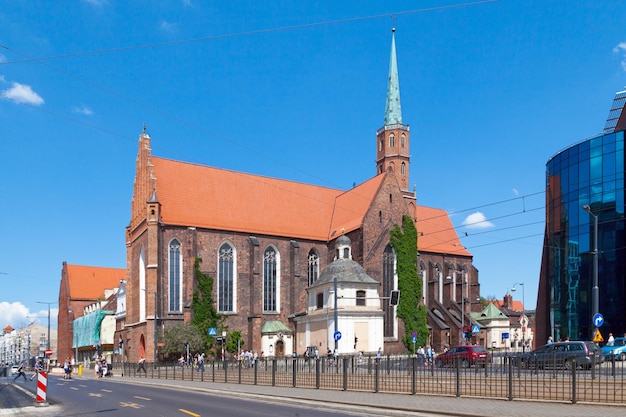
(89, 282)
(351, 206)
(435, 232)
(214, 198)
(516, 305)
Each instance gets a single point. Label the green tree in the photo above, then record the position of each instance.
(205, 314)
(233, 341)
(176, 337)
(409, 310)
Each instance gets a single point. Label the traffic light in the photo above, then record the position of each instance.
(394, 297)
(468, 332)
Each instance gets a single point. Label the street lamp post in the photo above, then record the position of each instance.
(43, 302)
(335, 315)
(523, 321)
(595, 291)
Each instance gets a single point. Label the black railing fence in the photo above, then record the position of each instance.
(508, 376)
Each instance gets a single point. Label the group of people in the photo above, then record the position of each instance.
(102, 368)
(427, 354)
(247, 358)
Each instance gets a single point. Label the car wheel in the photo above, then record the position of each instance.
(568, 365)
(622, 356)
(464, 363)
(439, 363)
(523, 364)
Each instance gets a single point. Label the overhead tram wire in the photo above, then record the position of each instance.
(185, 122)
(247, 33)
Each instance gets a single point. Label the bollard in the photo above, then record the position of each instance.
(42, 388)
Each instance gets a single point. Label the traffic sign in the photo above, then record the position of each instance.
(212, 331)
(598, 337)
(337, 335)
(48, 352)
(505, 335)
(598, 320)
(475, 329)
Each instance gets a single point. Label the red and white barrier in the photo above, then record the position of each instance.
(42, 386)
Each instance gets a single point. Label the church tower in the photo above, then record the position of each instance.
(393, 139)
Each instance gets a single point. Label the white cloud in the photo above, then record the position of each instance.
(17, 315)
(477, 221)
(168, 27)
(82, 109)
(14, 314)
(515, 191)
(621, 49)
(21, 93)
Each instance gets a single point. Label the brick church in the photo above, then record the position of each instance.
(265, 241)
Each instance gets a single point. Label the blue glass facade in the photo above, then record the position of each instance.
(589, 173)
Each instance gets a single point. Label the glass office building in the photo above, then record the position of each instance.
(585, 196)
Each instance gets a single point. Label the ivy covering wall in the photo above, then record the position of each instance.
(409, 310)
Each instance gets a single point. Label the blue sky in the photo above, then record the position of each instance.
(293, 90)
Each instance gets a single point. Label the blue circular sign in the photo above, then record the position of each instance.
(337, 335)
(598, 320)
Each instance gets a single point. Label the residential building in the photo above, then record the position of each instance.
(26, 343)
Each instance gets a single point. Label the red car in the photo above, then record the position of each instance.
(466, 356)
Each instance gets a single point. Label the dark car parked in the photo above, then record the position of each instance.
(466, 356)
(561, 355)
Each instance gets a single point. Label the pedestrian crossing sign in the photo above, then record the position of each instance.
(598, 337)
(212, 331)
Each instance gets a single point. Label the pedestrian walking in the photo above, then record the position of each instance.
(20, 372)
(38, 368)
(141, 365)
(67, 370)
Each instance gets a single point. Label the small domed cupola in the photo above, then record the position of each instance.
(343, 248)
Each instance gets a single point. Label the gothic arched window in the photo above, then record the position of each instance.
(270, 280)
(389, 269)
(226, 279)
(314, 266)
(175, 276)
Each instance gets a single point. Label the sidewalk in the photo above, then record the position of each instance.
(387, 404)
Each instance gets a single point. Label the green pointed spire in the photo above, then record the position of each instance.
(393, 109)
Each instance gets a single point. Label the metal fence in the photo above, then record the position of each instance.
(498, 378)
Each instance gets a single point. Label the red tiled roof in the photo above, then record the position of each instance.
(89, 282)
(219, 199)
(516, 305)
(213, 198)
(435, 232)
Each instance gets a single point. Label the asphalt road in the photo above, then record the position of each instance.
(98, 397)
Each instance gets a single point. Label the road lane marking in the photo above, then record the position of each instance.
(142, 398)
(182, 410)
(74, 388)
(133, 405)
(106, 390)
(92, 394)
